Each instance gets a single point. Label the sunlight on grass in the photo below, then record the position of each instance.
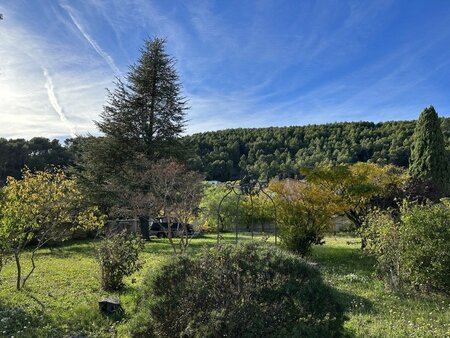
(62, 295)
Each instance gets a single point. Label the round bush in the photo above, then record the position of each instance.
(118, 256)
(248, 290)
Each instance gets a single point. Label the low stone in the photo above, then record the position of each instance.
(109, 305)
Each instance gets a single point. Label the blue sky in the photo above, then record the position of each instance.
(242, 63)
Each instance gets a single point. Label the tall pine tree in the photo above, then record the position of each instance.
(142, 122)
(146, 112)
(429, 159)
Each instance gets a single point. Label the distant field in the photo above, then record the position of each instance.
(61, 297)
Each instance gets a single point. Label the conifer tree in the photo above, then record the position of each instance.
(142, 121)
(146, 112)
(429, 160)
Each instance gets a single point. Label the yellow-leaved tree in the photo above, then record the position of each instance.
(304, 211)
(358, 187)
(43, 206)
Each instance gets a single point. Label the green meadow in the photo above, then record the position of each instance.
(61, 298)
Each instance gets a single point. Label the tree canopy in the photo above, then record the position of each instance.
(228, 154)
(359, 187)
(146, 112)
(429, 160)
(281, 151)
(36, 154)
(142, 120)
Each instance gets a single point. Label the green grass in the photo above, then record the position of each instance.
(61, 297)
(374, 311)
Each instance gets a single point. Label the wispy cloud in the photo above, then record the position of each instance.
(55, 104)
(108, 59)
(242, 64)
(41, 75)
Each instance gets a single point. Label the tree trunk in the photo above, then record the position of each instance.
(355, 218)
(32, 269)
(19, 269)
(358, 222)
(363, 242)
(169, 236)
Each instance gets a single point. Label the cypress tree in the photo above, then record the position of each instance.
(429, 160)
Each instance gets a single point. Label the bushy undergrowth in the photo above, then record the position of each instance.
(248, 290)
(413, 248)
(426, 246)
(118, 256)
(383, 242)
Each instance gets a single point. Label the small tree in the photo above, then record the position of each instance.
(230, 210)
(382, 233)
(304, 212)
(429, 159)
(118, 256)
(412, 246)
(43, 206)
(258, 209)
(164, 188)
(359, 187)
(177, 193)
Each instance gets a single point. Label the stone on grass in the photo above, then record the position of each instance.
(110, 305)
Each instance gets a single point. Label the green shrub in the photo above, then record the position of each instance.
(382, 233)
(304, 212)
(425, 234)
(230, 211)
(412, 248)
(118, 256)
(248, 290)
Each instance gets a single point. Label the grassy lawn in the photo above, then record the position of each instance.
(61, 297)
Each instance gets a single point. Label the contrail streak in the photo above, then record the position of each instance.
(55, 104)
(108, 59)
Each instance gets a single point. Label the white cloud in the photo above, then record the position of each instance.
(55, 104)
(108, 59)
(236, 72)
(33, 104)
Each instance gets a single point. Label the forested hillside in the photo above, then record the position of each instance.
(36, 154)
(263, 152)
(269, 152)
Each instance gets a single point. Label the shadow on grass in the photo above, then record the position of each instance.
(343, 260)
(17, 322)
(353, 305)
(83, 248)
